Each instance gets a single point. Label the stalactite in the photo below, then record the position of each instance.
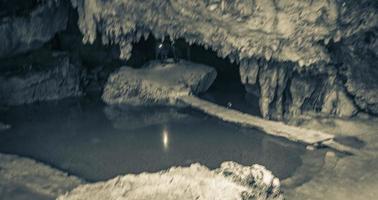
(294, 36)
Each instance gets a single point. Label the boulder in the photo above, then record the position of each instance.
(19, 34)
(229, 182)
(157, 83)
(50, 77)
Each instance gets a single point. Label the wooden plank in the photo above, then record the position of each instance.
(280, 129)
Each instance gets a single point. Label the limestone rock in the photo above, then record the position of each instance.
(242, 29)
(157, 84)
(321, 93)
(301, 89)
(229, 182)
(53, 77)
(270, 79)
(23, 33)
(249, 71)
(284, 92)
(337, 103)
(23, 176)
(358, 56)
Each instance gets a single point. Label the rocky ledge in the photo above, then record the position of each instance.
(230, 181)
(31, 30)
(39, 76)
(23, 178)
(157, 83)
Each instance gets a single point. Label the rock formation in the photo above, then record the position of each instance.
(299, 57)
(229, 182)
(157, 83)
(341, 88)
(39, 77)
(20, 33)
(22, 177)
(357, 58)
(284, 31)
(282, 46)
(285, 92)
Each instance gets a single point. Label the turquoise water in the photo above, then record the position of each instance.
(84, 137)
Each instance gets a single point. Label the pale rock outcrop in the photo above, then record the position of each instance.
(40, 77)
(22, 176)
(19, 34)
(229, 182)
(157, 83)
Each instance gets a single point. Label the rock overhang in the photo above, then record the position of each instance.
(283, 31)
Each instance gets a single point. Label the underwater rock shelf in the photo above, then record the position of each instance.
(307, 136)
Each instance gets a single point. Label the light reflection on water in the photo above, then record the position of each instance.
(77, 136)
(165, 139)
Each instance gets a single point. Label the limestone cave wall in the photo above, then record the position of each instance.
(298, 57)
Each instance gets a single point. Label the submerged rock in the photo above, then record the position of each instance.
(229, 182)
(23, 33)
(157, 83)
(52, 76)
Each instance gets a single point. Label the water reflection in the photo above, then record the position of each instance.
(77, 137)
(165, 139)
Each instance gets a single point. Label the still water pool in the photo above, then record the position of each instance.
(84, 137)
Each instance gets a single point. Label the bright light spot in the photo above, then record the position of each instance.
(165, 138)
